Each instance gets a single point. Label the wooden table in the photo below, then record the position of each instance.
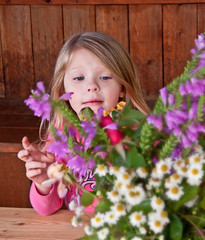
(26, 224)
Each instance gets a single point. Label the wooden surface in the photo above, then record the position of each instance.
(26, 224)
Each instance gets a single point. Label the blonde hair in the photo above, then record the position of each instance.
(114, 56)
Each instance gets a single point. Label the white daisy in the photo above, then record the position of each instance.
(195, 174)
(119, 209)
(88, 230)
(142, 172)
(73, 205)
(114, 196)
(155, 223)
(191, 203)
(157, 203)
(175, 192)
(142, 230)
(76, 221)
(196, 159)
(177, 164)
(125, 176)
(114, 170)
(103, 233)
(79, 211)
(182, 171)
(111, 217)
(174, 179)
(154, 182)
(137, 218)
(135, 196)
(164, 216)
(98, 220)
(163, 167)
(101, 170)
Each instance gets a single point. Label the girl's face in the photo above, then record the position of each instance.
(93, 84)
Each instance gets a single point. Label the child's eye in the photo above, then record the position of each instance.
(78, 78)
(105, 77)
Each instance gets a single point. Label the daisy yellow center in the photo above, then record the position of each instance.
(175, 176)
(125, 176)
(184, 169)
(187, 161)
(114, 193)
(138, 217)
(101, 168)
(116, 169)
(175, 190)
(137, 193)
(98, 219)
(129, 186)
(144, 170)
(164, 168)
(119, 185)
(158, 201)
(195, 171)
(120, 208)
(168, 180)
(196, 159)
(111, 216)
(164, 214)
(179, 163)
(131, 194)
(157, 223)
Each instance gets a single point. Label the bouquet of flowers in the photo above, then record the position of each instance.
(149, 171)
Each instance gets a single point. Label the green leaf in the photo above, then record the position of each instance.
(190, 192)
(175, 227)
(103, 206)
(131, 118)
(144, 206)
(135, 159)
(87, 199)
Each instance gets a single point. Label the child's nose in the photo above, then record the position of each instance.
(93, 87)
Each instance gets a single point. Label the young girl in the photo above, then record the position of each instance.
(100, 72)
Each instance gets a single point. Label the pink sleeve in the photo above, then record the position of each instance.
(45, 204)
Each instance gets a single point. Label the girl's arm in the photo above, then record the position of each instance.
(45, 204)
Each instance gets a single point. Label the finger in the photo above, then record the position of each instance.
(23, 155)
(34, 165)
(27, 145)
(33, 173)
(48, 158)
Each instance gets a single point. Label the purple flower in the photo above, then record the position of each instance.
(155, 120)
(193, 136)
(39, 102)
(199, 43)
(182, 89)
(164, 95)
(193, 110)
(185, 141)
(175, 117)
(90, 128)
(79, 165)
(171, 99)
(177, 151)
(66, 96)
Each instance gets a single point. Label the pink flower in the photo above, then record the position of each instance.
(114, 135)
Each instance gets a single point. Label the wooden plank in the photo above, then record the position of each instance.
(146, 46)
(27, 224)
(14, 186)
(6, 147)
(47, 32)
(179, 28)
(113, 20)
(201, 18)
(17, 50)
(78, 19)
(2, 87)
(99, 2)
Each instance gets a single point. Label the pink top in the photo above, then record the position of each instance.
(48, 204)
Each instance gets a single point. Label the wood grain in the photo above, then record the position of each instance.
(78, 19)
(179, 32)
(99, 2)
(201, 18)
(17, 50)
(25, 223)
(47, 32)
(113, 20)
(145, 32)
(2, 86)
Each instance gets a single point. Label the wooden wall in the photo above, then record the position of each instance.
(158, 34)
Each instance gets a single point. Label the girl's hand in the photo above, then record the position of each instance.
(36, 163)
